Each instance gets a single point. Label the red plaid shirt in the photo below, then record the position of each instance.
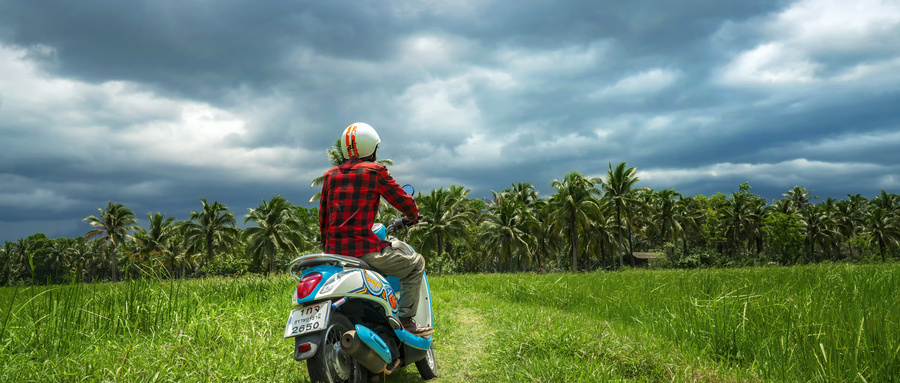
(350, 197)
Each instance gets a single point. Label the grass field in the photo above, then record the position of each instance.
(826, 323)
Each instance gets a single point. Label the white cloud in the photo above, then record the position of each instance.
(793, 172)
(641, 84)
(433, 52)
(838, 25)
(36, 198)
(851, 145)
(562, 62)
(799, 41)
(445, 109)
(117, 126)
(772, 63)
(479, 149)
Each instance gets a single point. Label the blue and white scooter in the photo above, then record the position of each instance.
(345, 323)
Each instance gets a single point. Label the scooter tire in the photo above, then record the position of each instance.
(331, 364)
(428, 366)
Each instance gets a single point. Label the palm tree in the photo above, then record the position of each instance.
(79, 252)
(58, 256)
(211, 229)
(509, 224)
(525, 193)
(572, 207)
(740, 220)
(851, 213)
(830, 208)
(603, 229)
(889, 202)
(5, 260)
(153, 240)
(618, 189)
(666, 216)
(112, 226)
(95, 260)
(884, 228)
(818, 227)
(277, 230)
(447, 215)
(799, 198)
(784, 206)
(688, 214)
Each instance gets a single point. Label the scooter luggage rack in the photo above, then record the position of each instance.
(307, 261)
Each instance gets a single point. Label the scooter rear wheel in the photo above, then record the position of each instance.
(331, 364)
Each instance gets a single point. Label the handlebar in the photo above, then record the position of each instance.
(400, 224)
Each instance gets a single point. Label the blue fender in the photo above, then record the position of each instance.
(412, 340)
(374, 342)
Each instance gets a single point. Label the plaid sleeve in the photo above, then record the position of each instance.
(395, 195)
(323, 210)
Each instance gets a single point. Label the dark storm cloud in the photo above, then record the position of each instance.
(195, 47)
(156, 104)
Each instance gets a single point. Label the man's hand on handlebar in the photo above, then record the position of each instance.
(403, 223)
(407, 222)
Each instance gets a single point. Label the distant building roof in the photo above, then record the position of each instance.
(646, 255)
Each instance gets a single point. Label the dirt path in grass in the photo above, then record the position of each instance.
(461, 339)
(465, 352)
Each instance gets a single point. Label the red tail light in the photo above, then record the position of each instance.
(307, 284)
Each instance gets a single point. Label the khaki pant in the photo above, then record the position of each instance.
(401, 262)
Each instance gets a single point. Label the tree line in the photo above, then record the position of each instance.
(587, 224)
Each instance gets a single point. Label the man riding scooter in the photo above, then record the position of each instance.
(351, 193)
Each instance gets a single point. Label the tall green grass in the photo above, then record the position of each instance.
(199, 330)
(821, 323)
(825, 323)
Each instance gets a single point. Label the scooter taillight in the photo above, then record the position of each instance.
(307, 284)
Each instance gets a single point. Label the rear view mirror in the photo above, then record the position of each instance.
(409, 189)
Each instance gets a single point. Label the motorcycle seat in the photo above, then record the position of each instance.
(335, 260)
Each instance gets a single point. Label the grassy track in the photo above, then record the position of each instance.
(827, 323)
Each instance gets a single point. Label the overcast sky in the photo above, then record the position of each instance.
(156, 104)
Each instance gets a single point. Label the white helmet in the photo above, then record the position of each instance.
(359, 140)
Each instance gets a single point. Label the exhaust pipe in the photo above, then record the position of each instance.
(356, 346)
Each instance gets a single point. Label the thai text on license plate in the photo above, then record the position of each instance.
(309, 319)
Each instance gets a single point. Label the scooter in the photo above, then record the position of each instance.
(345, 323)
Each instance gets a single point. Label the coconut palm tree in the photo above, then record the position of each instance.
(78, 254)
(572, 208)
(830, 208)
(889, 202)
(666, 216)
(818, 227)
(688, 213)
(277, 230)
(508, 227)
(619, 188)
(112, 226)
(58, 256)
(741, 220)
(603, 230)
(884, 229)
(799, 197)
(5, 260)
(152, 241)
(447, 215)
(210, 230)
(851, 213)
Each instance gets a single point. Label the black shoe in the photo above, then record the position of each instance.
(411, 327)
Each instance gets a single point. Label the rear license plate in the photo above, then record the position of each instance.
(307, 320)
